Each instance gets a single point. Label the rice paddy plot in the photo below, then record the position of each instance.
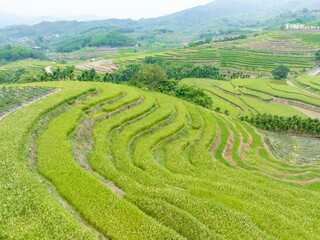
(130, 164)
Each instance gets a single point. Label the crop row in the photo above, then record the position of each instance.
(184, 172)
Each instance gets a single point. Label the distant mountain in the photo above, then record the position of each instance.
(229, 13)
(7, 19)
(311, 18)
(218, 15)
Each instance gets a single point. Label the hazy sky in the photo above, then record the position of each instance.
(105, 8)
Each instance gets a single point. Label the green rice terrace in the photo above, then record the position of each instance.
(105, 161)
(248, 97)
(256, 55)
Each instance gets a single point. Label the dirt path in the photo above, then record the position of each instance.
(311, 109)
(48, 70)
(314, 72)
(312, 94)
(26, 104)
(309, 113)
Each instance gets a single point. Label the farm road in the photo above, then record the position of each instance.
(309, 113)
(48, 70)
(314, 71)
(312, 94)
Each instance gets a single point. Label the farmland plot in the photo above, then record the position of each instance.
(130, 164)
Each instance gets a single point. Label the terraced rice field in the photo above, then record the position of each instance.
(229, 58)
(253, 55)
(311, 39)
(103, 161)
(309, 83)
(252, 96)
(37, 65)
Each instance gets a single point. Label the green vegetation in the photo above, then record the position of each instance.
(258, 100)
(280, 72)
(229, 39)
(11, 76)
(13, 53)
(161, 141)
(277, 88)
(304, 16)
(150, 75)
(194, 95)
(158, 163)
(310, 83)
(154, 77)
(293, 125)
(318, 55)
(110, 39)
(228, 57)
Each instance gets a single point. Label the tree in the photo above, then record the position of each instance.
(69, 72)
(151, 75)
(318, 56)
(29, 77)
(194, 95)
(280, 72)
(89, 76)
(168, 86)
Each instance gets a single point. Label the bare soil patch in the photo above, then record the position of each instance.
(103, 66)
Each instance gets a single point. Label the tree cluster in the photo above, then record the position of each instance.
(11, 76)
(58, 74)
(11, 53)
(293, 125)
(280, 72)
(186, 70)
(89, 76)
(207, 40)
(155, 78)
(113, 39)
(318, 55)
(229, 39)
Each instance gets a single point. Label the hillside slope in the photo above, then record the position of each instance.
(220, 14)
(122, 163)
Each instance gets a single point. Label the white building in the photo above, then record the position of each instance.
(299, 26)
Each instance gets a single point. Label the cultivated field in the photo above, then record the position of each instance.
(255, 55)
(104, 161)
(253, 96)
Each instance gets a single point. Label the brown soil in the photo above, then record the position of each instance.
(82, 145)
(103, 66)
(309, 113)
(227, 152)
